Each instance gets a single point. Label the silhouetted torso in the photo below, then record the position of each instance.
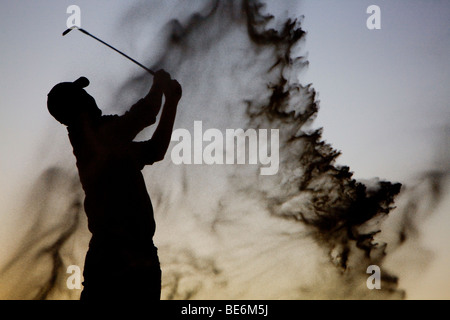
(122, 259)
(116, 203)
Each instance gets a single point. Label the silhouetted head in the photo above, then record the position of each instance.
(68, 102)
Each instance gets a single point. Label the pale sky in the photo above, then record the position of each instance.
(384, 93)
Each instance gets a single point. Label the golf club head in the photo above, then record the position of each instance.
(67, 31)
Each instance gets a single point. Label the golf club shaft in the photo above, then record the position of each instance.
(118, 51)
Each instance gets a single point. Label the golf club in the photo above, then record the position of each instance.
(123, 54)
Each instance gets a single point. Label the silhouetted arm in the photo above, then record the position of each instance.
(155, 149)
(144, 112)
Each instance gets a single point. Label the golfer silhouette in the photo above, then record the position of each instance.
(122, 261)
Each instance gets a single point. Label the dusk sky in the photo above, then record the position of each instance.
(384, 94)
